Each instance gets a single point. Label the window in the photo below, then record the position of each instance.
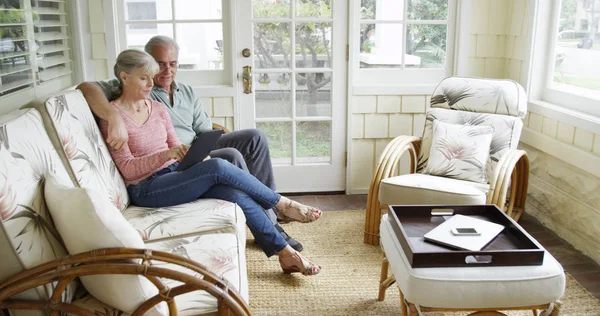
(197, 26)
(572, 78)
(410, 39)
(34, 47)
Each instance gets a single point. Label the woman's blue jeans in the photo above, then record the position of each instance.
(214, 178)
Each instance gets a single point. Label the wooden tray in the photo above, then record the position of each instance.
(512, 247)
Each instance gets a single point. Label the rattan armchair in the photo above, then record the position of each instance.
(120, 261)
(463, 97)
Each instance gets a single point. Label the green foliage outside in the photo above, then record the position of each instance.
(313, 138)
(583, 82)
(10, 16)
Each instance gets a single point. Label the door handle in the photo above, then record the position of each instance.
(247, 79)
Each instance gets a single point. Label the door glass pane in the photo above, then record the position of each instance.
(272, 45)
(271, 8)
(313, 94)
(314, 142)
(197, 10)
(427, 9)
(137, 37)
(200, 45)
(381, 46)
(313, 45)
(314, 8)
(382, 10)
(273, 95)
(148, 10)
(426, 45)
(279, 135)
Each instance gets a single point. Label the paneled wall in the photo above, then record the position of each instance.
(376, 120)
(498, 39)
(563, 196)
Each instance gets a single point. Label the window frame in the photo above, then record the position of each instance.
(206, 77)
(545, 95)
(385, 77)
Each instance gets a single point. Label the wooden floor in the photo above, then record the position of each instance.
(584, 269)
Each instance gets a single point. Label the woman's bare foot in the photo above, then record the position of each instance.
(292, 261)
(290, 210)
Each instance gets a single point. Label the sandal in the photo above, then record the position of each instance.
(297, 212)
(297, 263)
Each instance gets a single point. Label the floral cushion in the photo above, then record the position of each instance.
(217, 252)
(493, 96)
(84, 147)
(507, 130)
(27, 235)
(200, 216)
(459, 151)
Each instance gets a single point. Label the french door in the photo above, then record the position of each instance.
(294, 87)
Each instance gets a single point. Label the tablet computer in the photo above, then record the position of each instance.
(204, 143)
(464, 232)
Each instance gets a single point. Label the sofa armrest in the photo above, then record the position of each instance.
(511, 172)
(219, 126)
(120, 261)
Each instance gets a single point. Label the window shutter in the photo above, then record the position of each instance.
(16, 69)
(50, 26)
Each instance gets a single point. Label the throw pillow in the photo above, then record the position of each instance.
(87, 221)
(459, 151)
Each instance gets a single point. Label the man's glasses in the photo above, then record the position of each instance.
(163, 65)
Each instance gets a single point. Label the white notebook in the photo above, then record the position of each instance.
(443, 233)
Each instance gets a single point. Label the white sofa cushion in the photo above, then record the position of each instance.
(418, 189)
(200, 216)
(459, 151)
(473, 287)
(217, 252)
(27, 236)
(87, 221)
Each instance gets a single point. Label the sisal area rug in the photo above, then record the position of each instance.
(348, 282)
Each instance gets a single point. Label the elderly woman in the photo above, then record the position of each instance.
(149, 159)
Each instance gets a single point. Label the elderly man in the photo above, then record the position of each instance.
(247, 149)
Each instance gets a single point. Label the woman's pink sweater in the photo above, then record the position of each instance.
(146, 150)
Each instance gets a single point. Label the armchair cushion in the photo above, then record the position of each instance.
(87, 221)
(459, 151)
(494, 96)
(419, 189)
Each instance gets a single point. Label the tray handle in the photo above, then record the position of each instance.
(442, 211)
(478, 259)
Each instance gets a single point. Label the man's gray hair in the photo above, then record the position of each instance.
(131, 59)
(161, 41)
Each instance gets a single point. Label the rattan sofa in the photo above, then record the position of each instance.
(194, 253)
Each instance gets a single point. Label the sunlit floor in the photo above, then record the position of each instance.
(582, 268)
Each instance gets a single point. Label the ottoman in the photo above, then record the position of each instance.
(469, 288)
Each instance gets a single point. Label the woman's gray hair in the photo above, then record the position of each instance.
(161, 41)
(131, 59)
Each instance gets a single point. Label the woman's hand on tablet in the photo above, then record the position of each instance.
(178, 152)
